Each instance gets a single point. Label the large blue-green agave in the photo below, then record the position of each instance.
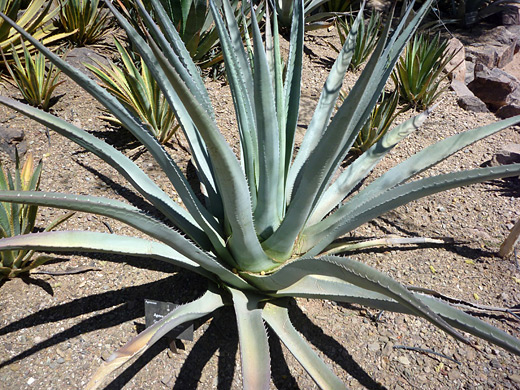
(268, 216)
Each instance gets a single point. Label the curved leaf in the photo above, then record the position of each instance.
(201, 307)
(254, 347)
(277, 316)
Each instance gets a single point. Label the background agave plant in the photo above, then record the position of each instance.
(418, 73)
(32, 17)
(261, 230)
(18, 219)
(366, 38)
(139, 92)
(85, 21)
(35, 79)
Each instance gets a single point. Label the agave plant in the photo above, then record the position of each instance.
(194, 23)
(34, 79)
(85, 21)
(379, 122)
(35, 17)
(18, 219)
(259, 233)
(418, 73)
(139, 92)
(366, 38)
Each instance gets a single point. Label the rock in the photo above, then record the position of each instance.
(512, 107)
(403, 360)
(493, 86)
(515, 378)
(495, 48)
(456, 68)
(454, 374)
(508, 154)
(79, 56)
(470, 72)
(466, 99)
(510, 15)
(373, 347)
(10, 139)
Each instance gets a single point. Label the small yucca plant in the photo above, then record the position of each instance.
(379, 122)
(35, 78)
(366, 37)
(36, 18)
(139, 92)
(85, 20)
(418, 73)
(260, 234)
(16, 219)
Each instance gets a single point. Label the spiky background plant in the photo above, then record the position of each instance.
(35, 78)
(36, 18)
(378, 123)
(139, 92)
(16, 219)
(265, 219)
(366, 38)
(419, 72)
(85, 20)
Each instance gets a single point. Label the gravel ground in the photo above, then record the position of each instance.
(54, 330)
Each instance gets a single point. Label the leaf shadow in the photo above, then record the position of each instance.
(331, 348)
(124, 305)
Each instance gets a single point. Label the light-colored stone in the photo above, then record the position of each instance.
(456, 68)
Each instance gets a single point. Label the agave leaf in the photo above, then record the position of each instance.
(254, 347)
(401, 195)
(320, 287)
(87, 241)
(277, 316)
(131, 216)
(201, 307)
(292, 88)
(414, 165)
(232, 184)
(337, 140)
(199, 212)
(266, 215)
(121, 163)
(360, 168)
(240, 81)
(353, 272)
(136, 128)
(326, 104)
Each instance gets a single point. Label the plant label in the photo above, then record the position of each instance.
(157, 310)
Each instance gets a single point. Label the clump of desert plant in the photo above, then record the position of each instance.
(379, 122)
(86, 21)
(35, 78)
(268, 216)
(16, 219)
(194, 23)
(419, 72)
(366, 37)
(139, 92)
(35, 17)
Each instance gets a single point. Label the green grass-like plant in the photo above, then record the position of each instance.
(379, 122)
(268, 216)
(35, 17)
(418, 73)
(16, 219)
(366, 37)
(85, 21)
(194, 23)
(35, 78)
(138, 91)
